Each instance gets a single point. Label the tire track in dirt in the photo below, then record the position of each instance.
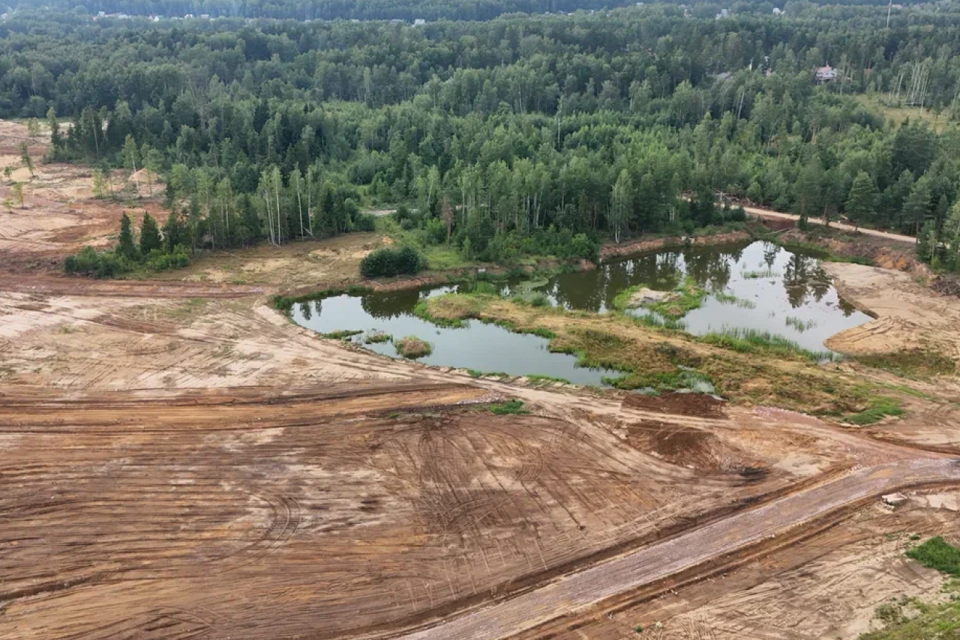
(657, 561)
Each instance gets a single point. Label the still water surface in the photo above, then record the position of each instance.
(779, 291)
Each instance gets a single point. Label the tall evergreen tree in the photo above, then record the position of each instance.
(862, 201)
(149, 235)
(125, 244)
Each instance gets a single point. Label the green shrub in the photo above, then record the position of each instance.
(364, 222)
(90, 262)
(412, 347)
(510, 407)
(539, 300)
(160, 260)
(937, 554)
(387, 263)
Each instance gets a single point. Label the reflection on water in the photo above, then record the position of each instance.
(793, 297)
(483, 347)
(757, 285)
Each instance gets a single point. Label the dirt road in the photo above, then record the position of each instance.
(777, 215)
(664, 559)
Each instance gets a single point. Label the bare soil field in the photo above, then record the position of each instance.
(181, 461)
(827, 585)
(59, 213)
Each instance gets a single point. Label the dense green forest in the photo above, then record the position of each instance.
(514, 135)
(361, 9)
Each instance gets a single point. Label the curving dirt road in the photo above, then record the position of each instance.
(658, 561)
(777, 215)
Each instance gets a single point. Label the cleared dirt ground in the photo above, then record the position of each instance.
(827, 585)
(178, 460)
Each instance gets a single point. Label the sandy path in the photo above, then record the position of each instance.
(777, 215)
(664, 559)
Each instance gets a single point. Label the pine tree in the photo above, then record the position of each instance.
(927, 242)
(861, 203)
(149, 235)
(56, 140)
(916, 208)
(175, 232)
(125, 245)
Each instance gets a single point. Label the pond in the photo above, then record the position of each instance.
(756, 286)
(483, 347)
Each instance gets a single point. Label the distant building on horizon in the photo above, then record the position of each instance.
(826, 73)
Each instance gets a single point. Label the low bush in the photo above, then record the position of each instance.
(510, 407)
(412, 347)
(387, 263)
(938, 554)
(160, 260)
(98, 264)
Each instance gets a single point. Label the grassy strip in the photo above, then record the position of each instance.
(879, 408)
(656, 322)
(536, 379)
(756, 275)
(510, 407)
(753, 341)
(726, 298)
(937, 554)
(488, 374)
(911, 364)
(341, 335)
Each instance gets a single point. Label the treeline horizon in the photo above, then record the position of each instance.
(500, 135)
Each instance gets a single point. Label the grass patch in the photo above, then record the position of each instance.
(753, 341)
(510, 407)
(686, 297)
(657, 322)
(377, 337)
(341, 335)
(936, 622)
(938, 554)
(726, 298)
(763, 273)
(911, 364)
(473, 373)
(799, 324)
(423, 311)
(412, 347)
(537, 379)
(879, 408)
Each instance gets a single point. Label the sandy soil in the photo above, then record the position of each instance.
(181, 461)
(909, 315)
(59, 213)
(825, 586)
